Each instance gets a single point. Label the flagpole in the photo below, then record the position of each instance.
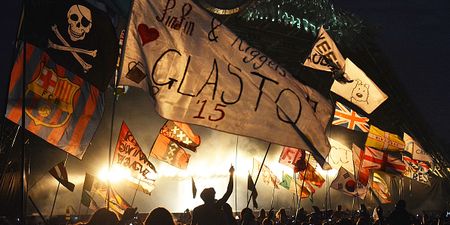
(57, 189)
(273, 195)
(24, 193)
(296, 193)
(303, 181)
(135, 191)
(259, 172)
(235, 177)
(37, 209)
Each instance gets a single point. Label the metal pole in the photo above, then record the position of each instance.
(303, 181)
(259, 172)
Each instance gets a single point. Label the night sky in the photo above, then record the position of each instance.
(414, 35)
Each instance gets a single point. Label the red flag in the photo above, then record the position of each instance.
(311, 175)
(385, 161)
(181, 133)
(130, 156)
(293, 157)
(59, 172)
(362, 173)
(168, 151)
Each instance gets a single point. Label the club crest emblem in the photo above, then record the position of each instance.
(50, 98)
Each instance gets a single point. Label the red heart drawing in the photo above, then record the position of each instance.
(147, 34)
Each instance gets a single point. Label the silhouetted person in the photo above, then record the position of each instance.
(281, 217)
(338, 214)
(400, 216)
(128, 216)
(159, 216)
(210, 213)
(378, 216)
(247, 217)
(267, 221)
(102, 217)
(228, 218)
(261, 217)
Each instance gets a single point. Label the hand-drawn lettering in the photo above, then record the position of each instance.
(214, 25)
(171, 80)
(261, 86)
(241, 85)
(215, 72)
(288, 96)
(173, 22)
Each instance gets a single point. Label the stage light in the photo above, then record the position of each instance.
(115, 175)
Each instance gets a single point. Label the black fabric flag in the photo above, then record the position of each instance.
(59, 172)
(251, 187)
(194, 188)
(76, 35)
(87, 186)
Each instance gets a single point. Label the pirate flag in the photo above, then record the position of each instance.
(76, 35)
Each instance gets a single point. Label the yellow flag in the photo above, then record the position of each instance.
(383, 140)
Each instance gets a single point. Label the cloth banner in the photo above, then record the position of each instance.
(383, 140)
(416, 170)
(340, 156)
(348, 184)
(362, 173)
(168, 151)
(267, 176)
(362, 92)
(381, 188)
(59, 172)
(61, 108)
(182, 134)
(385, 161)
(76, 35)
(199, 72)
(350, 119)
(294, 158)
(416, 149)
(130, 156)
(312, 176)
(324, 47)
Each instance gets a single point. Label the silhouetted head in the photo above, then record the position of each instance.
(159, 216)
(104, 217)
(208, 195)
(247, 214)
(262, 213)
(339, 207)
(401, 204)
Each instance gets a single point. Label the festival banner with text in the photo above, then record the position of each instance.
(199, 72)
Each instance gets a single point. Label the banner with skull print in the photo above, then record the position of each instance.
(76, 35)
(362, 92)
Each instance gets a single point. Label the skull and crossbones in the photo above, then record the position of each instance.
(80, 23)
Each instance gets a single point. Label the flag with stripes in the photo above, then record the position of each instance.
(59, 172)
(416, 170)
(181, 133)
(381, 188)
(61, 108)
(86, 195)
(383, 140)
(361, 172)
(312, 176)
(350, 119)
(167, 150)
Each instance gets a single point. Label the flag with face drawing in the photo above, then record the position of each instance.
(75, 34)
(211, 77)
(324, 47)
(362, 92)
(61, 108)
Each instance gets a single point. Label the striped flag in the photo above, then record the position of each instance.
(61, 108)
(383, 140)
(380, 187)
(416, 170)
(59, 172)
(350, 119)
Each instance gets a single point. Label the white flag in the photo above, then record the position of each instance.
(415, 149)
(199, 72)
(362, 92)
(346, 182)
(340, 156)
(324, 47)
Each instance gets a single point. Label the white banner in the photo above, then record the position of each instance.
(346, 182)
(340, 156)
(201, 73)
(362, 92)
(416, 149)
(324, 47)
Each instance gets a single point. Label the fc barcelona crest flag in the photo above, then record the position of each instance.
(61, 108)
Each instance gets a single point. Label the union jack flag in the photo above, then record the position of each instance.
(348, 118)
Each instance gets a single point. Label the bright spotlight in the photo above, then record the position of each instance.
(115, 175)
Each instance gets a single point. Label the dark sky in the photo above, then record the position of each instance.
(414, 35)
